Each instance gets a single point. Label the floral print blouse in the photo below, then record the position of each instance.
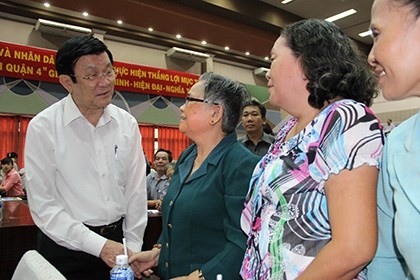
(286, 212)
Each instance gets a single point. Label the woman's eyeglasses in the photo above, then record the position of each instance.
(192, 99)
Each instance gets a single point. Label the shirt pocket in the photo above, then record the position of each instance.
(121, 159)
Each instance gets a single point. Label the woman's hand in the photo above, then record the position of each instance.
(142, 262)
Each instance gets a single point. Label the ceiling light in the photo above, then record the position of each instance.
(226, 48)
(366, 33)
(341, 15)
(178, 36)
(119, 21)
(286, 1)
(203, 42)
(85, 14)
(150, 29)
(47, 5)
(266, 58)
(247, 53)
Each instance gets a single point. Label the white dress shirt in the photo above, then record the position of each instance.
(80, 174)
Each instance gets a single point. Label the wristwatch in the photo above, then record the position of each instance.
(200, 275)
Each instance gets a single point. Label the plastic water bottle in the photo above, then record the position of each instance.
(121, 270)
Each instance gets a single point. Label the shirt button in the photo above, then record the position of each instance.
(166, 264)
(170, 203)
(169, 225)
(167, 245)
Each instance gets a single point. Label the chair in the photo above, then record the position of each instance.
(33, 266)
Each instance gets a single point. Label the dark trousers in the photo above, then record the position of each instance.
(76, 264)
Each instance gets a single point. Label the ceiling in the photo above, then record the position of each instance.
(243, 25)
(352, 25)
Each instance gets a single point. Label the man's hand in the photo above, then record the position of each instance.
(110, 250)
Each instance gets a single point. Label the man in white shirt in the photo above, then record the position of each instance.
(85, 168)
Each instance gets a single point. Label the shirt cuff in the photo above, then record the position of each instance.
(134, 246)
(94, 244)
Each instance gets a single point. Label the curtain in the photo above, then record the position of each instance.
(172, 139)
(12, 136)
(9, 129)
(24, 122)
(13, 133)
(148, 139)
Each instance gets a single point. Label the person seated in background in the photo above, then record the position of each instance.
(12, 183)
(170, 168)
(157, 181)
(21, 171)
(201, 235)
(253, 121)
(14, 157)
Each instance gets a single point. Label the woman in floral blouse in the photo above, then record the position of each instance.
(311, 208)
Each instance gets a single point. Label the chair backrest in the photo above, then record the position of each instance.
(33, 266)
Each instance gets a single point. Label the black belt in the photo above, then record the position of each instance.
(107, 229)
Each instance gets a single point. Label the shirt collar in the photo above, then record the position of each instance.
(221, 148)
(71, 112)
(213, 158)
(154, 175)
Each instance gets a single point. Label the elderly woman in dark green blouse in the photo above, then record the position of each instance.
(201, 234)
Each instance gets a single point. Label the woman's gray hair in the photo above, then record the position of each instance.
(229, 94)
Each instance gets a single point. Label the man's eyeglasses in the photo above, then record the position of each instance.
(109, 75)
(192, 99)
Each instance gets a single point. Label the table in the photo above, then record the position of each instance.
(18, 234)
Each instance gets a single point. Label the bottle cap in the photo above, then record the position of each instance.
(121, 259)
